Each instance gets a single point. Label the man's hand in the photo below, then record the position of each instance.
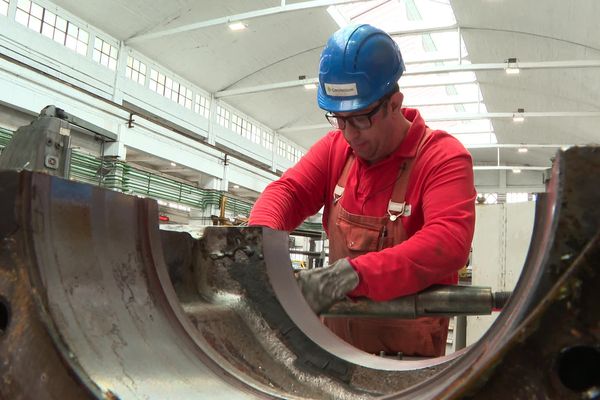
(322, 287)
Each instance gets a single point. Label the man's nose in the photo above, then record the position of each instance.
(350, 131)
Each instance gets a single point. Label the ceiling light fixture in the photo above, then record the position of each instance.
(237, 26)
(519, 115)
(173, 164)
(512, 67)
(236, 186)
(516, 171)
(523, 150)
(307, 86)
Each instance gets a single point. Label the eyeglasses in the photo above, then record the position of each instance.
(360, 121)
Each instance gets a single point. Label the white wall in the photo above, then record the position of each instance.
(502, 237)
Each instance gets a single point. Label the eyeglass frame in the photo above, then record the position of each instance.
(335, 119)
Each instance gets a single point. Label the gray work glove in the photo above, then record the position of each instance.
(322, 287)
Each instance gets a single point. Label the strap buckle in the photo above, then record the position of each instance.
(396, 210)
(337, 193)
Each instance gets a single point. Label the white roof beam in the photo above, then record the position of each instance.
(177, 170)
(412, 32)
(301, 128)
(267, 87)
(426, 71)
(302, 82)
(502, 66)
(509, 167)
(139, 158)
(239, 18)
(442, 103)
(438, 82)
(467, 132)
(491, 115)
(469, 117)
(509, 189)
(518, 146)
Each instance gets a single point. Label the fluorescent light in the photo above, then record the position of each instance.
(173, 164)
(236, 186)
(237, 26)
(519, 115)
(516, 171)
(512, 67)
(310, 86)
(523, 150)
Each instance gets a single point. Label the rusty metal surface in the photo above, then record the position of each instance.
(88, 275)
(31, 362)
(546, 343)
(248, 269)
(90, 308)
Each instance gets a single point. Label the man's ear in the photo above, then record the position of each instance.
(396, 101)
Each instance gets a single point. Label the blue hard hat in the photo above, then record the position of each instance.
(359, 65)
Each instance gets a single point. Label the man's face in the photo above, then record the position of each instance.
(375, 142)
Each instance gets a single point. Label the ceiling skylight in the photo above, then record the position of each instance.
(438, 45)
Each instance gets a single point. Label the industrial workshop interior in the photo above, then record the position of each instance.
(299, 199)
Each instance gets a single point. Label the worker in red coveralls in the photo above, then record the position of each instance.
(398, 197)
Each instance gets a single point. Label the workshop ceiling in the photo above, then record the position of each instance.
(281, 47)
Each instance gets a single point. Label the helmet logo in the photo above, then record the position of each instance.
(341, 89)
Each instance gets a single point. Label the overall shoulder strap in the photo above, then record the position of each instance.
(341, 183)
(398, 206)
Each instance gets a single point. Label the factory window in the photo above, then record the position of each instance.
(255, 134)
(252, 132)
(202, 106)
(412, 12)
(293, 154)
(170, 89)
(54, 27)
(222, 117)
(105, 54)
(236, 124)
(157, 82)
(4, 7)
(30, 15)
(281, 148)
(428, 43)
(136, 70)
(245, 129)
(47, 23)
(451, 90)
(180, 94)
(288, 151)
(267, 140)
(77, 39)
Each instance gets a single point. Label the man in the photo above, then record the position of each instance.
(399, 200)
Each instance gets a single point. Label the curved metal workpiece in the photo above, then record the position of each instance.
(90, 308)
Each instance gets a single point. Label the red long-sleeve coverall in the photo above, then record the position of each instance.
(440, 191)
